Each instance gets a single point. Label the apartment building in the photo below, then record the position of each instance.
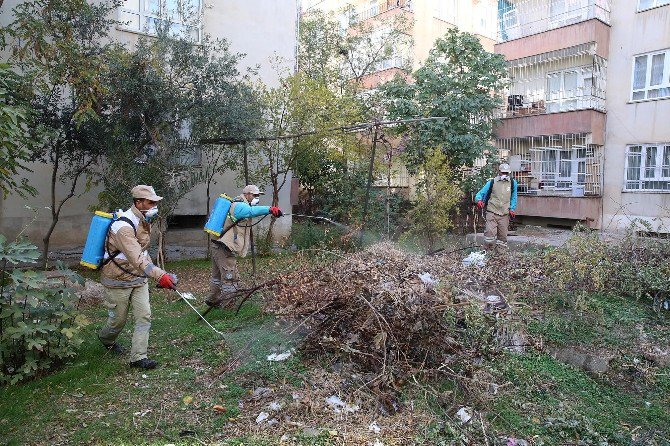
(261, 32)
(582, 121)
(637, 145)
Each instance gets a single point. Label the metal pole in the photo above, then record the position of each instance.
(369, 186)
(251, 229)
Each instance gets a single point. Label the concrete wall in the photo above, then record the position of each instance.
(261, 30)
(633, 33)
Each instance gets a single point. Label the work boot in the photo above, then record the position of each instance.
(214, 292)
(115, 349)
(144, 363)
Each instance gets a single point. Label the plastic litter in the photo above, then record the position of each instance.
(428, 280)
(464, 415)
(275, 405)
(374, 427)
(276, 357)
(477, 258)
(340, 406)
(262, 417)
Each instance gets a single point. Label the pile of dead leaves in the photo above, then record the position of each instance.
(392, 314)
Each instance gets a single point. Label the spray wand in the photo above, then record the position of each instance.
(185, 298)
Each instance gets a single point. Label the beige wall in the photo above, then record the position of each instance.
(260, 29)
(633, 33)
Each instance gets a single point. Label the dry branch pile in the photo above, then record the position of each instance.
(392, 314)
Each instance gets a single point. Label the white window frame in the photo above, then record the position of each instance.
(145, 13)
(665, 79)
(445, 10)
(655, 4)
(554, 176)
(583, 95)
(569, 16)
(658, 168)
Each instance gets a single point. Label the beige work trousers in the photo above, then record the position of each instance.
(495, 231)
(224, 275)
(117, 301)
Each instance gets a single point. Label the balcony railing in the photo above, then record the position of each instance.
(382, 7)
(558, 165)
(521, 18)
(564, 80)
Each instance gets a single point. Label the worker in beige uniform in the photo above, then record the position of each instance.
(498, 196)
(235, 241)
(126, 268)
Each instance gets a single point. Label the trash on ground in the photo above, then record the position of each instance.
(276, 357)
(339, 406)
(374, 427)
(477, 258)
(262, 417)
(464, 415)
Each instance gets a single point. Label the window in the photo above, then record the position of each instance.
(567, 12)
(647, 4)
(182, 17)
(561, 167)
(651, 76)
(571, 89)
(648, 167)
(445, 10)
(485, 18)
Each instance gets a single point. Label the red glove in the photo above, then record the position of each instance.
(168, 281)
(276, 212)
(512, 213)
(480, 204)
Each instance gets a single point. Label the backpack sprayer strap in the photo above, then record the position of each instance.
(112, 256)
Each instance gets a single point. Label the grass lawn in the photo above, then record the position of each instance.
(98, 399)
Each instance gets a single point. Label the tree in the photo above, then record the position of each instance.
(438, 193)
(461, 82)
(16, 141)
(302, 107)
(62, 46)
(164, 97)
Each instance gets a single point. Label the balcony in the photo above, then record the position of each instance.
(564, 80)
(522, 18)
(564, 165)
(381, 7)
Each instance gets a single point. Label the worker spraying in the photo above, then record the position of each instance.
(126, 266)
(499, 197)
(230, 223)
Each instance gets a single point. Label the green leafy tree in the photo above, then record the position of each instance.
(165, 96)
(298, 118)
(437, 195)
(63, 49)
(460, 82)
(16, 142)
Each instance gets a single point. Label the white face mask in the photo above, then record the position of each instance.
(255, 201)
(504, 177)
(151, 214)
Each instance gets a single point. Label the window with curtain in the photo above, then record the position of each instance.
(651, 76)
(647, 167)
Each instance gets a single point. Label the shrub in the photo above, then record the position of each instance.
(39, 321)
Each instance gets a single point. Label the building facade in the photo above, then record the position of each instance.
(261, 33)
(582, 120)
(637, 157)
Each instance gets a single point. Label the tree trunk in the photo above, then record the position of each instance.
(54, 215)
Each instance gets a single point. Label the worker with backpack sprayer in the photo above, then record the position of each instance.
(126, 266)
(233, 239)
(498, 196)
